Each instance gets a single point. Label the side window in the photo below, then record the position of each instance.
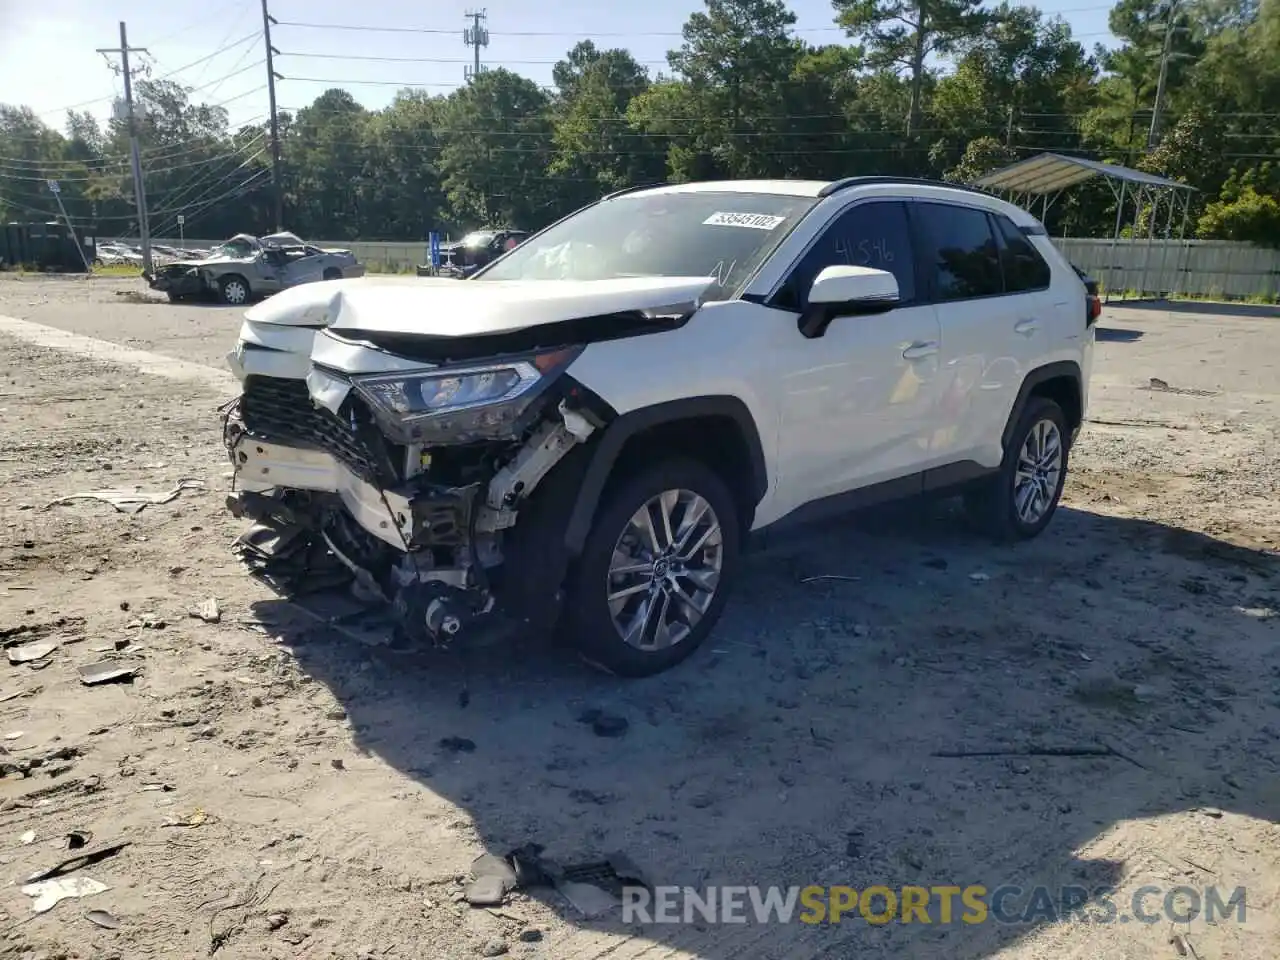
(868, 235)
(1024, 268)
(960, 249)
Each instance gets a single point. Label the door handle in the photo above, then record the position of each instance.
(920, 349)
(1026, 326)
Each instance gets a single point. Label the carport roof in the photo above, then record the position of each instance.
(1051, 172)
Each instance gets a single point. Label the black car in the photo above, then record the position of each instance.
(480, 247)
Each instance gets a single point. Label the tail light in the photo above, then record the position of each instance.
(1095, 309)
(1093, 302)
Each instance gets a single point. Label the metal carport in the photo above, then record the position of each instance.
(1044, 177)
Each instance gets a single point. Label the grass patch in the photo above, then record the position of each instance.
(117, 270)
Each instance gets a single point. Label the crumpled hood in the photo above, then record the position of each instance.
(436, 306)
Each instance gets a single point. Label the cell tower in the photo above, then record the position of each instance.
(475, 36)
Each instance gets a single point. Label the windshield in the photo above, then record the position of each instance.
(724, 235)
(232, 248)
(479, 238)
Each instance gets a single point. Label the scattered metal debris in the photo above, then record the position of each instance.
(31, 652)
(104, 919)
(108, 671)
(979, 577)
(75, 863)
(130, 501)
(78, 839)
(592, 888)
(209, 611)
(830, 576)
(196, 818)
(48, 894)
(31, 692)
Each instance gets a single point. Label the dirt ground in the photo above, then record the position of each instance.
(285, 792)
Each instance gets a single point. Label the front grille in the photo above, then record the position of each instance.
(281, 410)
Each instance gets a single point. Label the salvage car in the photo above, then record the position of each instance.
(244, 268)
(580, 439)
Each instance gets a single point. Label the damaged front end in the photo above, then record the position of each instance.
(401, 477)
(179, 280)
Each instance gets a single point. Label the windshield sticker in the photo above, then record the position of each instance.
(754, 221)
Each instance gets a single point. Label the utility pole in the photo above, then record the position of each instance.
(476, 36)
(1166, 54)
(135, 159)
(272, 77)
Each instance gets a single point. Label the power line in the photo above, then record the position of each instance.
(205, 185)
(220, 80)
(584, 35)
(205, 59)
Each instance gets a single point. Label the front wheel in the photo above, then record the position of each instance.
(332, 273)
(655, 570)
(234, 290)
(1021, 499)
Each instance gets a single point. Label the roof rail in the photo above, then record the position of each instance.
(633, 189)
(836, 186)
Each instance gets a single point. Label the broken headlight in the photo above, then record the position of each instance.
(460, 403)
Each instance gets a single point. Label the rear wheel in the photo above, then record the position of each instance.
(234, 290)
(655, 570)
(1021, 499)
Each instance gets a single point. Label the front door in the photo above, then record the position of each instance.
(857, 402)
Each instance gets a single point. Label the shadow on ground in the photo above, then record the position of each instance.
(1116, 335)
(800, 745)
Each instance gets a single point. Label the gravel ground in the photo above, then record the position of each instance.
(285, 791)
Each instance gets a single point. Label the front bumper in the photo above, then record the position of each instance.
(262, 466)
(179, 284)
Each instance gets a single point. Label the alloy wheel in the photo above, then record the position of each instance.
(235, 292)
(665, 570)
(1039, 470)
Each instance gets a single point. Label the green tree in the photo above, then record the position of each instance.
(596, 150)
(496, 146)
(901, 35)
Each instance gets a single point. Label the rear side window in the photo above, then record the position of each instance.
(867, 235)
(961, 256)
(1024, 268)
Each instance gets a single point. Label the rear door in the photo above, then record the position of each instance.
(302, 267)
(987, 336)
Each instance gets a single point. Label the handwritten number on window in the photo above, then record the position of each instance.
(868, 252)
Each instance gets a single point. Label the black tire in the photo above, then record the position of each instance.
(332, 273)
(590, 622)
(992, 505)
(227, 287)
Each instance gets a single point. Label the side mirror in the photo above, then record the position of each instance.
(842, 291)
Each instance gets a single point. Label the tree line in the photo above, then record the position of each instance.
(935, 88)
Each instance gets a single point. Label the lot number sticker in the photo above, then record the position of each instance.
(755, 221)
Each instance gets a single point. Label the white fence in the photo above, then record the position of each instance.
(1211, 268)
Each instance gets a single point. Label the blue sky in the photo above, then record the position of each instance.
(47, 58)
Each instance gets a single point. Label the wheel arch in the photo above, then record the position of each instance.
(1061, 382)
(718, 430)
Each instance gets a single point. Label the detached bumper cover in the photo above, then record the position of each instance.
(262, 465)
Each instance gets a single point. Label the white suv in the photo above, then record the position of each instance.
(584, 433)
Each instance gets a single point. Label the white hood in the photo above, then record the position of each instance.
(442, 307)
